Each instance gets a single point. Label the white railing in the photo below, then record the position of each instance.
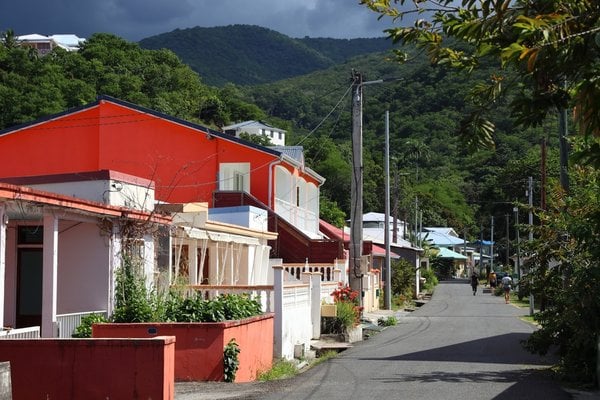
(262, 293)
(32, 332)
(67, 323)
(300, 217)
(329, 272)
(326, 289)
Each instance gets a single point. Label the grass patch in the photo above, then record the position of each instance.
(530, 319)
(389, 321)
(280, 370)
(283, 369)
(326, 355)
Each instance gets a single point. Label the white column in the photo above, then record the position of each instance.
(50, 274)
(116, 248)
(3, 221)
(278, 317)
(315, 304)
(193, 263)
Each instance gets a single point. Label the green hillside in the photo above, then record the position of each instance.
(246, 55)
(455, 187)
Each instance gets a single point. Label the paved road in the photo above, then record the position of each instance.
(457, 346)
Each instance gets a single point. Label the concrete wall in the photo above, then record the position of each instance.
(5, 381)
(199, 346)
(91, 368)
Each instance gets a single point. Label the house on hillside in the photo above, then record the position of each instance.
(276, 135)
(45, 44)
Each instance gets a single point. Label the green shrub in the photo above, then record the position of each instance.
(231, 363)
(84, 330)
(346, 314)
(132, 300)
(430, 279)
(389, 321)
(280, 370)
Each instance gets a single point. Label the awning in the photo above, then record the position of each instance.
(447, 253)
(203, 234)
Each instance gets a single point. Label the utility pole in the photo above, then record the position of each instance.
(356, 200)
(356, 188)
(530, 198)
(518, 263)
(388, 269)
(507, 239)
(564, 149)
(492, 245)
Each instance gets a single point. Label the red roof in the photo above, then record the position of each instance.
(333, 232)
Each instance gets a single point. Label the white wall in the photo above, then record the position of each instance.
(83, 268)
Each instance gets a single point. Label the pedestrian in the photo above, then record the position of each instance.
(493, 282)
(506, 282)
(474, 282)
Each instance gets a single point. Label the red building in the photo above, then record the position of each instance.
(187, 162)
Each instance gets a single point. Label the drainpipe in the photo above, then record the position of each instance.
(271, 165)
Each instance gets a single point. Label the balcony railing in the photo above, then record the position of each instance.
(67, 323)
(32, 332)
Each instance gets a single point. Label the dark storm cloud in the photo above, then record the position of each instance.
(136, 19)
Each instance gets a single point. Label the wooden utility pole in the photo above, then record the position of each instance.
(356, 187)
(387, 297)
(356, 196)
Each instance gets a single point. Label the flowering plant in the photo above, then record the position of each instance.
(348, 310)
(344, 293)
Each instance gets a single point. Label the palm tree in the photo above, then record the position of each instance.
(416, 150)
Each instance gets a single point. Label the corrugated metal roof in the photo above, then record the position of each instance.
(295, 152)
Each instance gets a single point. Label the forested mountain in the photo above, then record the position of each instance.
(454, 187)
(246, 54)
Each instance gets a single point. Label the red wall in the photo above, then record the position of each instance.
(91, 368)
(182, 161)
(199, 346)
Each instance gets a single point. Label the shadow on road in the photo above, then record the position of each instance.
(526, 384)
(494, 350)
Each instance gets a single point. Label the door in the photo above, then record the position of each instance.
(29, 276)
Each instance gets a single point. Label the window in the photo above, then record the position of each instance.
(234, 176)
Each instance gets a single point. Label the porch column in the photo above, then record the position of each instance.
(49, 284)
(315, 304)
(3, 222)
(193, 263)
(278, 317)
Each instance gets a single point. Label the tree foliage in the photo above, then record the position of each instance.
(565, 270)
(32, 86)
(544, 59)
(544, 53)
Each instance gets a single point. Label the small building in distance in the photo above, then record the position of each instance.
(45, 44)
(276, 135)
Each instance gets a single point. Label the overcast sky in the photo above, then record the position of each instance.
(138, 19)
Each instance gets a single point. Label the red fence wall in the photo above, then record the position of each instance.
(91, 368)
(199, 346)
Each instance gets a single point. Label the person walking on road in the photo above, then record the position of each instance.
(474, 282)
(506, 282)
(492, 280)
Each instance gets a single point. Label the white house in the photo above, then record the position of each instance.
(45, 44)
(276, 135)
